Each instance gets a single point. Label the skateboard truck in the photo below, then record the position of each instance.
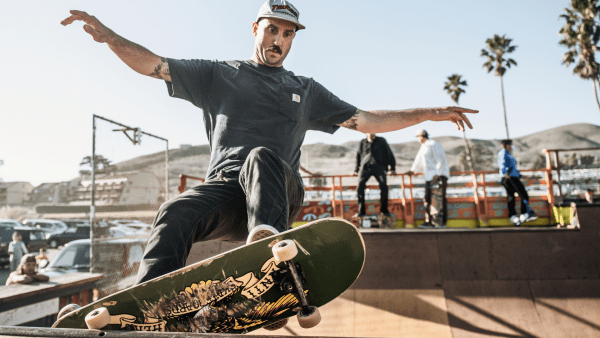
(285, 251)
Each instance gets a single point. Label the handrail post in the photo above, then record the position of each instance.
(182, 183)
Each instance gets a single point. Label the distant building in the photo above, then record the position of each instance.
(121, 189)
(14, 193)
(51, 193)
(183, 146)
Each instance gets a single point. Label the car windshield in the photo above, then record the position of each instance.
(72, 256)
(6, 234)
(35, 235)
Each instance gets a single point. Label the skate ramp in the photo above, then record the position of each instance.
(474, 283)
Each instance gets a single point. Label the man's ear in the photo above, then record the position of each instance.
(254, 28)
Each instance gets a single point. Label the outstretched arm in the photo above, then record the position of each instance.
(381, 121)
(135, 56)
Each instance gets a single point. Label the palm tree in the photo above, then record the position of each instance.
(496, 48)
(453, 88)
(580, 35)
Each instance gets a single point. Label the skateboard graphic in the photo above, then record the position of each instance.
(244, 289)
(437, 203)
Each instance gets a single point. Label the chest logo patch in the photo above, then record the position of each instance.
(296, 98)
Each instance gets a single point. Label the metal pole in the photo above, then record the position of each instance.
(93, 194)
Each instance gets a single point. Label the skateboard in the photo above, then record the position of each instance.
(437, 203)
(244, 289)
(375, 221)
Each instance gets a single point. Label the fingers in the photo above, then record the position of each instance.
(76, 15)
(464, 110)
(466, 120)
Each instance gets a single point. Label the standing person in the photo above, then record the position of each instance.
(512, 183)
(432, 158)
(256, 115)
(373, 158)
(16, 249)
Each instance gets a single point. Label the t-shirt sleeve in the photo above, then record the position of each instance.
(190, 80)
(327, 110)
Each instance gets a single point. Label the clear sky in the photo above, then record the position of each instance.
(373, 54)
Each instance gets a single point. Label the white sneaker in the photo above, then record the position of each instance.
(260, 232)
(524, 217)
(515, 220)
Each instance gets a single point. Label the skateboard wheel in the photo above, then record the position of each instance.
(68, 308)
(97, 319)
(310, 319)
(285, 250)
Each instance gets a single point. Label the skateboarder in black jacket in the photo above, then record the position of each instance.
(373, 158)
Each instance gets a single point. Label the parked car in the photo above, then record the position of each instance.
(71, 223)
(71, 234)
(132, 227)
(6, 232)
(48, 225)
(118, 259)
(34, 239)
(10, 222)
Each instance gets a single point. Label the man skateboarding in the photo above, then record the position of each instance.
(373, 158)
(432, 158)
(512, 183)
(256, 114)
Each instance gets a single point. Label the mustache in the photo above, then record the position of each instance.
(274, 49)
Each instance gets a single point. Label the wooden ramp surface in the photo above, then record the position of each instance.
(475, 283)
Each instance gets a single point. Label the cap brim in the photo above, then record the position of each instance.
(300, 26)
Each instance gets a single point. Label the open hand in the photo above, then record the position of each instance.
(92, 26)
(455, 115)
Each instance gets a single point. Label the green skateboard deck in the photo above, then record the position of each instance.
(240, 290)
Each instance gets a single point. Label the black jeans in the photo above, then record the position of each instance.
(440, 216)
(513, 185)
(368, 170)
(265, 191)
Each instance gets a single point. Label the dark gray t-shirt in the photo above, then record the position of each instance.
(248, 105)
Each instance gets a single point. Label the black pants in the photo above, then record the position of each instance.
(368, 170)
(513, 185)
(265, 191)
(439, 216)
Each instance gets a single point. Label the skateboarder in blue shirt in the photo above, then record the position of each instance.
(512, 183)
(256, 115)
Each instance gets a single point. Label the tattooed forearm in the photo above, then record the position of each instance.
(352, 123)
(161, 69)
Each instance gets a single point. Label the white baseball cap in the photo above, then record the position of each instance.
(280, 9)
(422, 132)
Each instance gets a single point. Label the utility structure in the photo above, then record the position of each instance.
(136, 139)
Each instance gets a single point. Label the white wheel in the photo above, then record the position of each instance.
(285, 250)
(97, 319)
(311, 319)
(68, 308)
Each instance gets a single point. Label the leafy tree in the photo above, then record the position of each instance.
(454, 88)
(580, 35)
(497, 47)
(102, 165)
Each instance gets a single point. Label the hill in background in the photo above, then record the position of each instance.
(340, 159)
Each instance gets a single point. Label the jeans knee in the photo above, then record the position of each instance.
(260, 152)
